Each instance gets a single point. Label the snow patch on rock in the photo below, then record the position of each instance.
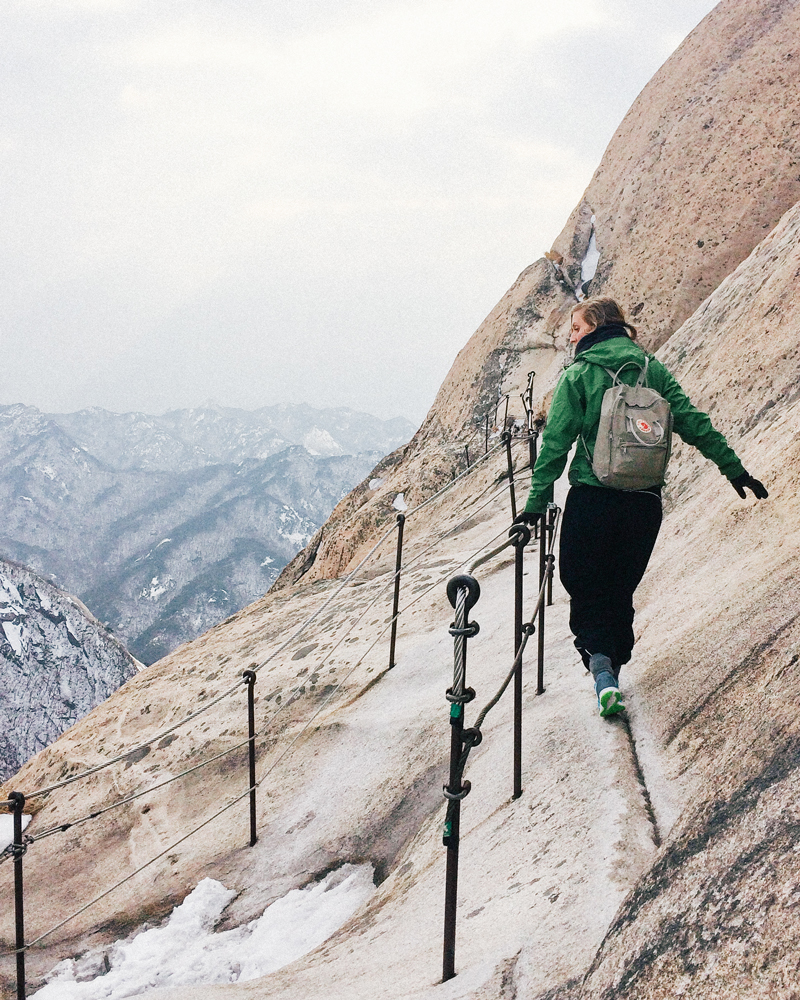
(187, 952)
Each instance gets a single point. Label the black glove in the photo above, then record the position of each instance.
(746, 480)
(530, 519)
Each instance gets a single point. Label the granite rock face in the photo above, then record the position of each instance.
(718, 686)
(57, 663)
(703, 166)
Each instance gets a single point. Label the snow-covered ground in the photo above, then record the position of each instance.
(186, 951)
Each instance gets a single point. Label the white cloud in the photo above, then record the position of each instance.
(202, 200)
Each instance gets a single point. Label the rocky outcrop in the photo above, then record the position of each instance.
(702, 167)
(57, 663)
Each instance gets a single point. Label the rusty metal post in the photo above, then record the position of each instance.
(551, 527)
(463, 592)
(19, 848)
(542, 574)
(249, 677)
(401, 520)
(521, 534)
(511, 489)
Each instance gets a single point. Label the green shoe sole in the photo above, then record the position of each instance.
(610, 702)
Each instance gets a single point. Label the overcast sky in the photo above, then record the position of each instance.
(261, 201)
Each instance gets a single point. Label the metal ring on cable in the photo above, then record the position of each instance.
(528, 628)
(520, 535)
(469, 631)
(464, 582)
(472, 736)
(465, 698)
(457, 796)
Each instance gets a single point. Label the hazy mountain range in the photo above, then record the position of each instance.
(166, 525)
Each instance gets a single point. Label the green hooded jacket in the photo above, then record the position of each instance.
(575, 411)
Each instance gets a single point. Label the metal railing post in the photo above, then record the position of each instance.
(466, 454)
(401, 520)
(463, 592)
(542, 572)
(249, 678)
(19, 848)
(521, 534)
(551, 525)
(511, 489)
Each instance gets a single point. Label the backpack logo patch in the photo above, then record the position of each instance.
(643, 426)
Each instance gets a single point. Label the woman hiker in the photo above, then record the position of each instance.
(607, 535)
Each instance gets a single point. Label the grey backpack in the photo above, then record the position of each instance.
(634, 436)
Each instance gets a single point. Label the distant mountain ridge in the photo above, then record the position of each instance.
(166, 525)
(192, 438)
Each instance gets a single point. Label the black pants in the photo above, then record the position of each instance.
(607, 537)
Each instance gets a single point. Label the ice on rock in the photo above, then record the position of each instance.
(375, 483)
(187, 952)
(590, 261)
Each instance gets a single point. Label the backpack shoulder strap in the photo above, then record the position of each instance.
(614, 375)
(588, 361)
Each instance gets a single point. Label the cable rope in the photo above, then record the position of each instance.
(475, 464)
(292, 694)
(357, 664)
(129, 876)
(131, 750)
(63, 827)
(473, 736)
(451, 484)
(298, 632)
(239, 683)
(526, 631)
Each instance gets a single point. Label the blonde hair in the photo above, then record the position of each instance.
(603, 311)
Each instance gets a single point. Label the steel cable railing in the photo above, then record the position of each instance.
(215, 701)
(284, 752)
(464, 592)
(63, 827)
(17, 849)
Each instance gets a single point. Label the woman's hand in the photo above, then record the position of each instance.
(747, 481)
